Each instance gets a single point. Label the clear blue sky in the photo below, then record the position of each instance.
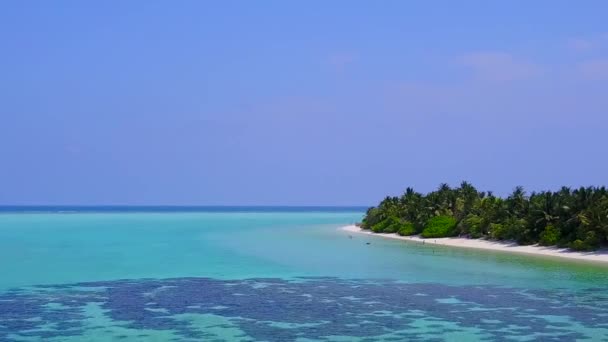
(297, 102)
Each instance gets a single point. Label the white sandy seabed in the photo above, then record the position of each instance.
(597, 256)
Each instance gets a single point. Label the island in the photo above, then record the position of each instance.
(563, 220)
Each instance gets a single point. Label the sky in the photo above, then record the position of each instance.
(297, 102)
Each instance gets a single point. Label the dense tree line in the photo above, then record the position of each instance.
(567, 218)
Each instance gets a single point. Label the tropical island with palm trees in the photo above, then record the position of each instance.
(573, 219)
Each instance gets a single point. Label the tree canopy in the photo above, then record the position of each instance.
(567, 218)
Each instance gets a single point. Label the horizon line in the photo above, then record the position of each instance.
(188, 205)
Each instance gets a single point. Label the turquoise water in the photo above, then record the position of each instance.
(274, 275)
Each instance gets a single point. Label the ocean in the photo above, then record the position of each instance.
(273, 274)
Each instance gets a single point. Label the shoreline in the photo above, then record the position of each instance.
(600, 256)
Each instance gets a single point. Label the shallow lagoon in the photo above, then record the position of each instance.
(275, 275)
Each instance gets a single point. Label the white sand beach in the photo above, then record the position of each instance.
(597, 256)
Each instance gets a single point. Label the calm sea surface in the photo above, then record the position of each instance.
(273, 274)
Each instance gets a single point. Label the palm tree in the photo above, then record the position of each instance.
(517, 202)
(543, 212)
(411, 205)
(467, 196)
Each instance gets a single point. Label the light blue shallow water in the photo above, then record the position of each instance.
(283, 274)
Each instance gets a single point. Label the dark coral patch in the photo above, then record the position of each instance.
(281, 310)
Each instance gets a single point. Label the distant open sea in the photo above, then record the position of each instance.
(173, 273)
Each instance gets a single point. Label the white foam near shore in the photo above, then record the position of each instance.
(598, 256)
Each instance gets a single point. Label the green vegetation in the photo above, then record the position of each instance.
(439, 226)
(407, 228)
(550, 236)
(567, 218)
